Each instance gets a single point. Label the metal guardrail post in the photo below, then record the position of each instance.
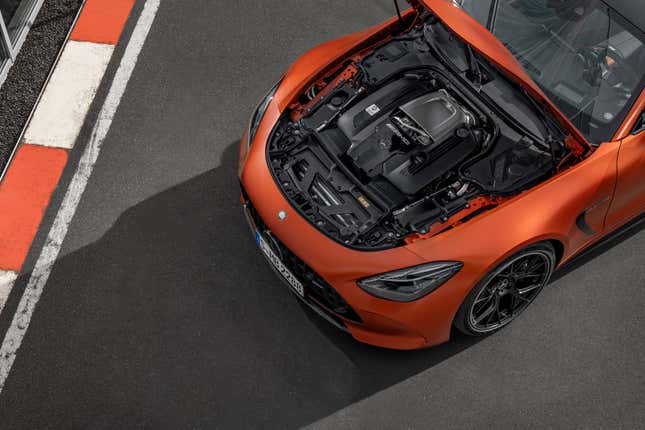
(3, 172)
(7, 47)
(5, 50)
(10, 44)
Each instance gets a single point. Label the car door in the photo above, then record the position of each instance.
(629, 198)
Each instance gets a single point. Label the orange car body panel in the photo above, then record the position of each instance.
(546, 212)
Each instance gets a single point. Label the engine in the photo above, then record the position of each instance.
(393, 146)
(411, 144)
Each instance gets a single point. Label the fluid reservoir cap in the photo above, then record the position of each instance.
(462, 133)
(337, 101)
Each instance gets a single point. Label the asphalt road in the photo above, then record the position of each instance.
(161, 313)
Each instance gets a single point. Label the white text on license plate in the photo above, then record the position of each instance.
(279, 266)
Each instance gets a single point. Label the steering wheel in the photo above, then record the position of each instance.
(591, 60)
(609, 64)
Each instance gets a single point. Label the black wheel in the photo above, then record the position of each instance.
(506, 291)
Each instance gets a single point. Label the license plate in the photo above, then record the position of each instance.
(295, 284)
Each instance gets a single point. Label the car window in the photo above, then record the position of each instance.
(585, 57)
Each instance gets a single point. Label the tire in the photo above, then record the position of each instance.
(506, 291)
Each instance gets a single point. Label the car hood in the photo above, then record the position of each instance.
(485, 43)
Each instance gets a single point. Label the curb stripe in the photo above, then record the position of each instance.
(24, 196)
(102, 21)
(7, 280)
(44, 264)
(60, 115)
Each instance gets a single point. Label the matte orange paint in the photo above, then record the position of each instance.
(630, 121)
(629, 199)
(102, 21)
(548, 212)
(24, 196)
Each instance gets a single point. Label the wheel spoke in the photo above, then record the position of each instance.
(537, 271)
(528, 289)
(484, 299)
(537, 266)
(486, 314)
(519, 297)
(515, 268)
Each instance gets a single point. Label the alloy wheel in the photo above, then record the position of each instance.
(511, 288)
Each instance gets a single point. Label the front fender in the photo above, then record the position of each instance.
(547, 212)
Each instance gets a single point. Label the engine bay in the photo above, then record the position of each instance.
(393, 146)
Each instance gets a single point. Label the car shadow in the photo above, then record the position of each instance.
(173, 319)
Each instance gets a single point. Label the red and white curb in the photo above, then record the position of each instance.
(52, 132)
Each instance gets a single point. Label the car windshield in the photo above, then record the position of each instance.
(583, 55)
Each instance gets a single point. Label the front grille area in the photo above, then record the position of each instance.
(316, 288)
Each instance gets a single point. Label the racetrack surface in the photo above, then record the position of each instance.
(161, 313)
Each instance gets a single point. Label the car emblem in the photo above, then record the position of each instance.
(282, 215)
(372, 110)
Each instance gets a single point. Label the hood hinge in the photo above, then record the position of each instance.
(417, 5)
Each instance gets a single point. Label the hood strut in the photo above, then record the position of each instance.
(398, 11)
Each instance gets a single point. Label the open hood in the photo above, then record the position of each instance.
(484, 42)
(393, 146)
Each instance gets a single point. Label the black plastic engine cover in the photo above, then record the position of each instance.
(413, 171)
(360, 121)
(408, 134)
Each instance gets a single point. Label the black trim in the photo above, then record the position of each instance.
(596, 248)
(640, 124)
(582, 224)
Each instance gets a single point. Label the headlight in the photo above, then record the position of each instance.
(410, 284)
(259, 113)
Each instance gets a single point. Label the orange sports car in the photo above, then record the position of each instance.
(434, 170)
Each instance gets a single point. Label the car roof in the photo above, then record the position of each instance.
(631, 10)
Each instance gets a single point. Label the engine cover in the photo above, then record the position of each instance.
(410, 140)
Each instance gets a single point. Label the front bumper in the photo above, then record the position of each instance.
(325, 301)
(319, 296)
(379, 322)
